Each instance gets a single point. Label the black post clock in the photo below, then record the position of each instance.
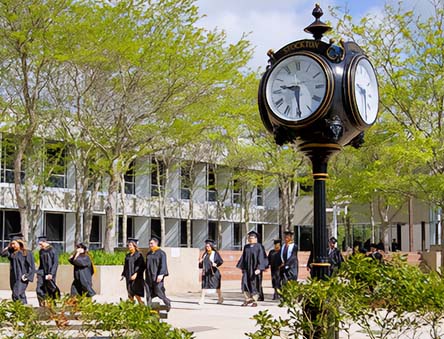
(320, 96)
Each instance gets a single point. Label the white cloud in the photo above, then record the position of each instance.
(272, 25)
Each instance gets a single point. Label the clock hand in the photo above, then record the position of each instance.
(363, 93)
(291, 88)
(297, 94)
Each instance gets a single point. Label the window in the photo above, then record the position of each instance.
(157, 177)
(185, 181)
(55, 164)
(237, 194)
(260, 231)
(9, 223)
(212, 230)
(129, 230)
(237, 236)
(155, 230)
(55, 230)
(183, 233)
(211, 183)
(259, 196)
(7, 161)
(96, 232)
(130, 179)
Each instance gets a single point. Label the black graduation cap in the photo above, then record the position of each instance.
(333, 240)
(209, 241)
(155, 238)
(82, 245)
(43, 238)
(16, 236)
(288, 233)
(133, 240)
(277, 241)
(253, 234)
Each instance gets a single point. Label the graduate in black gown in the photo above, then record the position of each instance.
(22, 267)
(47, 271)
(252, 262)
(83, 272)
(133, 272)
(274, 260)
(334, 256)
(156, 271)
(289, 257)
(211, 277)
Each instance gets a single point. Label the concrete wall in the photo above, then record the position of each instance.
(182, 266)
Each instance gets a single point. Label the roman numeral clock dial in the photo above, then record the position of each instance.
(299, 88)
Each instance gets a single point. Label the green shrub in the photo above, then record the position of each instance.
(388, 299)
(123, 320)
(98, 257)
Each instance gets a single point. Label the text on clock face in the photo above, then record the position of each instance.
(296, 87)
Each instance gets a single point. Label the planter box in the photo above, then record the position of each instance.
(182, 266)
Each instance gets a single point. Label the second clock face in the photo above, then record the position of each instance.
(365, 89)
(298, 87)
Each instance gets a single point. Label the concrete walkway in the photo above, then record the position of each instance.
(214, 321)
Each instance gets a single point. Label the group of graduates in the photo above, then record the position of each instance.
(282, 260)
(22, 271)
(146, 275)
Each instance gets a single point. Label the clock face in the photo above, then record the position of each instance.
(299, 87)
(365, 89)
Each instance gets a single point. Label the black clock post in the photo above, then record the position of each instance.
(320, 96)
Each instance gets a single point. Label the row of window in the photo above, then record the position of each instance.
(56, 160)
(55, 229)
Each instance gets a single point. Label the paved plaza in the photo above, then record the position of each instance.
(211, 320)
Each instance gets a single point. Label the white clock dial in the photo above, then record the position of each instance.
(365, 89)
(297, 87)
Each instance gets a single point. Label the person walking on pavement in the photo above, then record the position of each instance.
(133, 269)
(211, 277)
(22, 267)
(83, 272)
(289, 258)
(156, 271)
(275, 261)
(47, 272)
(252, 262)
(334, 256)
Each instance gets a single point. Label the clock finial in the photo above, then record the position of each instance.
(317, 27)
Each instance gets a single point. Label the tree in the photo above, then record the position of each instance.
(27, 35)
(407, 52)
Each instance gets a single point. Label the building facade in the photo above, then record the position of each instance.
(142, 207)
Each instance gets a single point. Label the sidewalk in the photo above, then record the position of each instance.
(211, 320)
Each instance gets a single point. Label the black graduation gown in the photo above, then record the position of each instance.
(83, 271)
(156, 264)
(252, 259)
(21, 272)
(290, 267)
(134, 264)
(49, 263)
(274, 259)
(335, 259)
(211, 276)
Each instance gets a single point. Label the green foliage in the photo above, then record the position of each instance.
(382, 298)
(98, 257)
(123, 320)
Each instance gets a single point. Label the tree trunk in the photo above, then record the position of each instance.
(88, 211)
(110, 215)
(123, 206)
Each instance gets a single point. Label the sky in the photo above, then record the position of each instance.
(273, 24)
